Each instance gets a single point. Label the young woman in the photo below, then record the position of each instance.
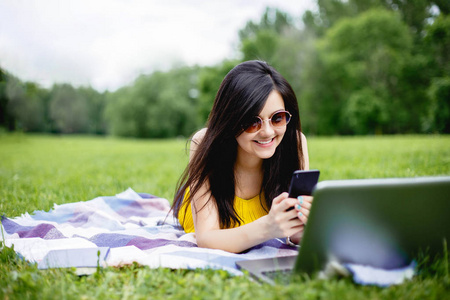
(233, 192)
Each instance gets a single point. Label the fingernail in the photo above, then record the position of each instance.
(300, 199)
(299, 206)
(300, 214)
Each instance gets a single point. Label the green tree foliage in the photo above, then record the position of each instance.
(438, 40)
(68, 109)
(386, 62)
(163, 104)
(209, 81)
(277, 40)
(438, 118)
(415, 13)
(272, 20)
(443, 5)
(6, 119)
(95, 103)
(26, 105)
(364, 57)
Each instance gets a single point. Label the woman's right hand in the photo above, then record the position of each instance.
(282, 222)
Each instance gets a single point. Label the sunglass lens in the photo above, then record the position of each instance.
(280, 119)
(254, 126)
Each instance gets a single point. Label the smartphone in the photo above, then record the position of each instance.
(303, 182)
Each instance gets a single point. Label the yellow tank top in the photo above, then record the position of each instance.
(248, 210)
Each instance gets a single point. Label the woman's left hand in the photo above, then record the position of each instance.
(302, 207)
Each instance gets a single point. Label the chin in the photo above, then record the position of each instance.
(266, 155)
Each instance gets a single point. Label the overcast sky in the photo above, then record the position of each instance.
(108, 43)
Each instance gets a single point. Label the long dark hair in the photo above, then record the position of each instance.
(241, 96)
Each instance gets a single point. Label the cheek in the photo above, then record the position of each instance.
(281, 132)
(241, 140)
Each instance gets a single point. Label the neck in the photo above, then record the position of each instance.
(249, 176)
(247, 163)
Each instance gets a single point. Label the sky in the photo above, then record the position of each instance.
(106, 44)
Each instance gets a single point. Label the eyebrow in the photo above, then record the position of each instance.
(274, 112)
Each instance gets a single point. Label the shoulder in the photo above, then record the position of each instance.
(198, 136)
(195, 141)
(304, 150)
(301, 136)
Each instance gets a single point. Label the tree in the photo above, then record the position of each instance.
(6, 117)
(272, 20)
(95, 103)
(25, 105)
(361, 60)
(438, 41)
(415, 13)
(437, 38)
(209, 82)
(157, 105)
(274, 39)
(438, 118)
(68, 109)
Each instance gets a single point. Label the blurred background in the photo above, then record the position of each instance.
(151, 70)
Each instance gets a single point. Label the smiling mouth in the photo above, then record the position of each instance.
(265, 142)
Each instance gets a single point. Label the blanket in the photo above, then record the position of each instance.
(136, 227)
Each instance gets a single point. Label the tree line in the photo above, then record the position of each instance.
(357, 67)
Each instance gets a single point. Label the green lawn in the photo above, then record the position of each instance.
(37, 171)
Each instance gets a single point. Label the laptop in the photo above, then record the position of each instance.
(383, 223)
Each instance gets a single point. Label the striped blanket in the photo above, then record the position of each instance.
(136, 228)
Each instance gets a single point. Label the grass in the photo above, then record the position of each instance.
(37, 171)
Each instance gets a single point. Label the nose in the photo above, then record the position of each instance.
(266, 128)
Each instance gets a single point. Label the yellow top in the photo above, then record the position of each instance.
(248, 210)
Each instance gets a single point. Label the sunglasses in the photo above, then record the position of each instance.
(278, 119)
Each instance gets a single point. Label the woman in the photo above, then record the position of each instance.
(241, 164)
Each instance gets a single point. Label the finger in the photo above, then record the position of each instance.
(298, 228)
(292, 214)
(280, 198)
(304, 211)
(291, 227)
(303, 215)
(302, 202)
(306, 199)
(299, 234)
(288, 204)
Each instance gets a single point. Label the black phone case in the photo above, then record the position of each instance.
(303, 182)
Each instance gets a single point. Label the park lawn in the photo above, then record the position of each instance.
(38, 170)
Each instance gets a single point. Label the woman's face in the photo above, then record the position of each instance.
(263, 143)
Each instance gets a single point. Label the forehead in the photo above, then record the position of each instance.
(273, 103)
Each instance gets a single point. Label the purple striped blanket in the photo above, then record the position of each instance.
(136, 228)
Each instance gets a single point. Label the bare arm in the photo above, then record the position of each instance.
(278, 223)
